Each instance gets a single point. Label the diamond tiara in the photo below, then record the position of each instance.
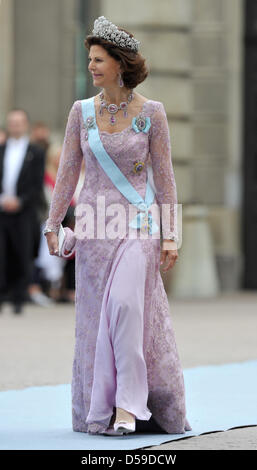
(105, 29)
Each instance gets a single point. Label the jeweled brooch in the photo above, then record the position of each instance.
(90, 122)
(138, 167)
(141, 123)
(147, 224)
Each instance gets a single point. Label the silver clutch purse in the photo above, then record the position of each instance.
(61, 237)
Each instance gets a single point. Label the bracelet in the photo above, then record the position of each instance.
(171, 238)
(48, 230)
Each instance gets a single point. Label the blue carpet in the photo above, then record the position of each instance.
(218, 398)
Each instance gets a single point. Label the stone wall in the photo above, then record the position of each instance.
(6, 58)
(44, 58)
(194, 49)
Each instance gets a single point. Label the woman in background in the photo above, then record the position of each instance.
(59, 273)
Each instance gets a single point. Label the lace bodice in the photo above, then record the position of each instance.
(128, 143)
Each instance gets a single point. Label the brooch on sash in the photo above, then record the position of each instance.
(90, 122)
(141, 123)
(147, 223)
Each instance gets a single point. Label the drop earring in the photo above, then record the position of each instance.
(121, 83)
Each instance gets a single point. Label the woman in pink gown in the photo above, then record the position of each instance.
(125, 351)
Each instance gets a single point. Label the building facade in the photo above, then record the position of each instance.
(196, 53)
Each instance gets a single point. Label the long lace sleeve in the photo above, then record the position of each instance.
(163, 174)
(68, 170)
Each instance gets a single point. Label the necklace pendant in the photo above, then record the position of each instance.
(124, 106)
(113, 108)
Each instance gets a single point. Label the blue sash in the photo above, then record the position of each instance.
(144, 218)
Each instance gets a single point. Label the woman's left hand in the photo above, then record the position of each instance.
(169, 253)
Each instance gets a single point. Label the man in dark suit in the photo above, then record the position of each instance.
(21, 185)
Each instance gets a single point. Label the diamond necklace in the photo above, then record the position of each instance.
(113, 108)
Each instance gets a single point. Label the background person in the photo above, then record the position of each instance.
(21, 182)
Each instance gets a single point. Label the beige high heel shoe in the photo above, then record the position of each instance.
(124, 426)
(110, 430)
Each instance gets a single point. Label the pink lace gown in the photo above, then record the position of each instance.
(125, 351)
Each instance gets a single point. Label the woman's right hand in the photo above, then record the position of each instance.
(52, 241)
